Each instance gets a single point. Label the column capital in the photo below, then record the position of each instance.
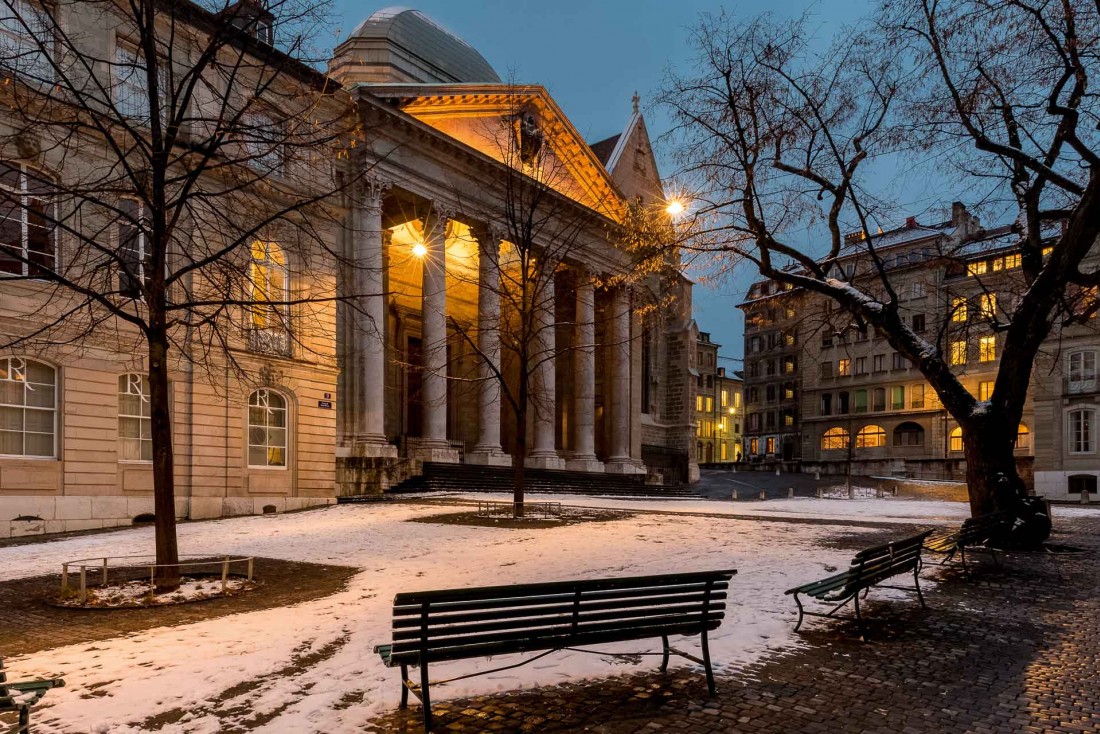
(371, 191)
(487, 232)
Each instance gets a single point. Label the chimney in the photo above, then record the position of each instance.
(966, 225)
(910, 222)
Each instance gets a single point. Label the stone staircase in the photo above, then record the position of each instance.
(473, 478)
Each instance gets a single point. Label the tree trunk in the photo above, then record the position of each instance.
(993, 482)
(164, 495)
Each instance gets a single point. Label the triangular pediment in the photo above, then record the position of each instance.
(487, 118)
(632, 165)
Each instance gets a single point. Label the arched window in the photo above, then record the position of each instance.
(834, 438)
(135, 435)
(28, 211)
(267, 421)
(28, 408)
(909, 434)
(269, 278)
(955, 439)
(1023, 438)
(871, 437)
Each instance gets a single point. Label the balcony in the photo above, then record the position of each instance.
(1078, 387)
(275, 342)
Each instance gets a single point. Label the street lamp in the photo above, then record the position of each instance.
(419, 249)
(674, 208)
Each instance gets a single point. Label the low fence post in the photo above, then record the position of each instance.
(64, 577)
(83, 585)
(225, 573)
(250, 562)
(104, 571)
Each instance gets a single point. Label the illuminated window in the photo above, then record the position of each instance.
(955, 439)
(788, 365)
(699, 403)
(722, 451)
(710, 404)
(844, 367)
(988, 305)
(987, 348)
(770, 443)
(1012, 261)
(958, 352)
(725, 398)
(269, 278)
(788, 419)
(267, 434)
(958, 308)
(870, 437)
(977, 268)
(135, 436)
(1023, 438)
(834, 438)
(998, 263)
(737, 400)
(985, 390)
(754, 446)
(1047, 251)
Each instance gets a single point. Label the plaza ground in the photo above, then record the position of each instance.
(307, 665)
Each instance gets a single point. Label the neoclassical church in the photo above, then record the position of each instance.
(450, 181)
(481, 241)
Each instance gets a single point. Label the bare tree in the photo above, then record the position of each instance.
(172, 156)
(787, 144)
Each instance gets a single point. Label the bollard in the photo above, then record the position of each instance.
(790, 493)
(879, 494)
(851, 492)
(763, 495)
(735, 493)
(819, 493)
(817, 475)
(895, 490)
(777, 471)
(1084, 496)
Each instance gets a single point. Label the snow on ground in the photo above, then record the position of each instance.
(310, 667)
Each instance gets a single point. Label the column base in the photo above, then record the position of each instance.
(491, 456)
(367, 449)
(584, 463)
(623, 465)
(545, 461)
(438, 452)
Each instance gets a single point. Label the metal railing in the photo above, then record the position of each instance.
(530, 509)
(93, 572)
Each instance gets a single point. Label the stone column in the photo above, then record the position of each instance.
(619, 461)
(367, 357)
(433, 444)
(488, 450)
(543, 454)
(583, 457)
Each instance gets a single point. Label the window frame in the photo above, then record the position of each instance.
(23, 208)
(267, 445)
(1088, 423)
(871, 436)
(142, 420)
(24, 44)
(53, 410)
(835, 438)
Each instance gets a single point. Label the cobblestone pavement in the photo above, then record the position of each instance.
(1011, 651)
(29, 624)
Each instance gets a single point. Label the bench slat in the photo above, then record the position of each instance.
(560, 587)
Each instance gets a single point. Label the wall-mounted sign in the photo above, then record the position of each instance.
(326, 404)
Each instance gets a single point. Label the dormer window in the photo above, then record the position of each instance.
(265, 31)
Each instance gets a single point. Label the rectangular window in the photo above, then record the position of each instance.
(722, 451)
(918, 289)
(769, 393)
(725, 398)
(861, 401)
(130, 86)
(28, 212)
(918, 323)
(736, 399)
(699, 403)
(997, 264)
(788, 420)
(788, 365)
(770, 444)
(861, 365)
(916, 396)
(897, 397)
(958, 352)
(985, 390)
(958, 309)
(898, 362)
(878, 363)
(1082, 367)
(842, 406)
(844, 367)
(987, 348)
(710, 404)
(24, 40)
(1082, 438)
(1012, 261)
(879, 399)
(977, 268)
(826, 341)
(826, 369)
(135, 437)
(988, 305)
(133, 253)
(827, 404)
(788, 392)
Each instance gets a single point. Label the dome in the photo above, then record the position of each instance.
(427, 50)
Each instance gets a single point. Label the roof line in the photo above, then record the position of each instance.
(620, 146)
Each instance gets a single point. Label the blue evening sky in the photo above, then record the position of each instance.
(592, 56)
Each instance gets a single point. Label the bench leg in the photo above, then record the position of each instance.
(859, 620)
(706, 664)
(801, 614)
(664, 659)
(424, 698)
(996, 560)
(404, 686)
(24, 720)
(966, 567)
(916, 583)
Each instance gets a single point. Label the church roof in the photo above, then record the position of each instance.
(453, 59)
(604, 148)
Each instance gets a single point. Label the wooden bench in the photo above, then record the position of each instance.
(18, 698)
(974, 535)
(456, 624)
(870, 567)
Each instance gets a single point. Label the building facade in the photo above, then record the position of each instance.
(401, 371)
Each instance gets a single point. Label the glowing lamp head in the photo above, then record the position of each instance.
(674, 208)
(419, 249)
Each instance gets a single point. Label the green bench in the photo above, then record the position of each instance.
(975, 534)
(455, 624)
(18, 698)
(869, 568)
